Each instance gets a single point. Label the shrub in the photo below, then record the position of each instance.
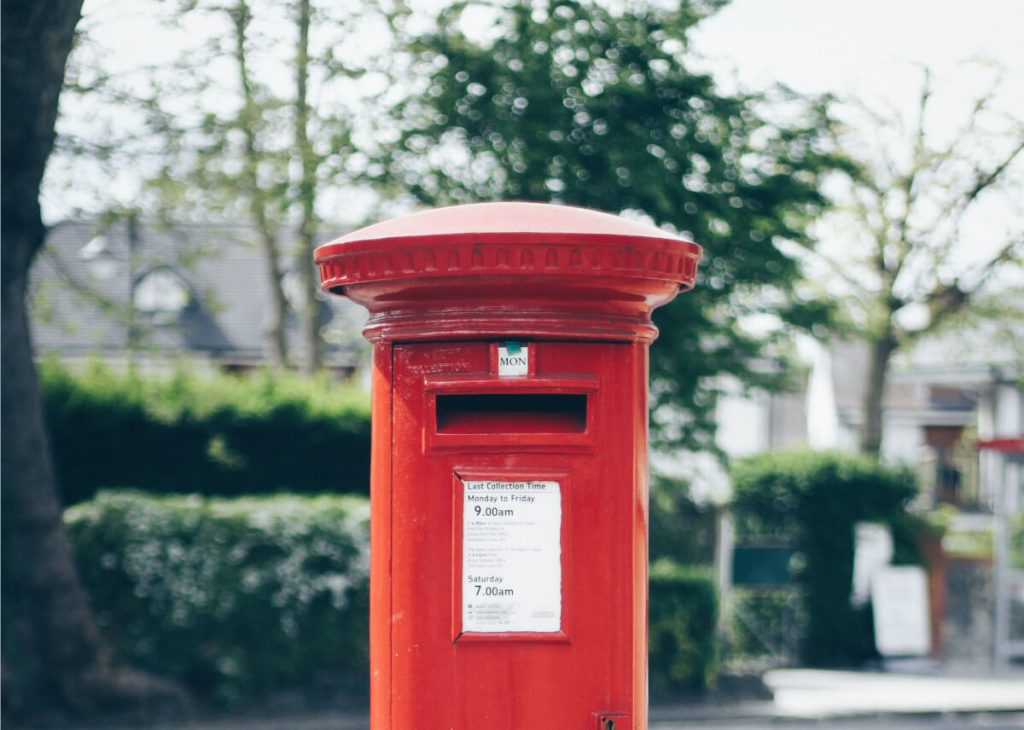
(235, 598)
(682, 644)
(679, 528)
(764, 623)
(813, 500)
(224, 435)
(231, 597)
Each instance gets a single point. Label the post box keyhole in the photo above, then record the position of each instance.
(612, 720)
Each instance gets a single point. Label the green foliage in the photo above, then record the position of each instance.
(813, 500)
(683, 647)
(232, 598)
(906, 234)
(764, 623)
(220, 435)
(680, 529)
(683, 601)
(591, 104)
(968, 544)
(236, 598)
(1016, 528)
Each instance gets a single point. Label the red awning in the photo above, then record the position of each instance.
(1012, 445)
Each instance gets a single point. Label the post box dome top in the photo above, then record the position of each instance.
(481, 268)
(504, 223)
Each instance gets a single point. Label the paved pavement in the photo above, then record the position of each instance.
(999, 721)
(853, 700)
(803, 698)
(809, 693)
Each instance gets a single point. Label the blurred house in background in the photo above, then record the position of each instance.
(954, 412)
(943, 397)
(155, 293)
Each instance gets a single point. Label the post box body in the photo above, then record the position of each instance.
(509, 476)
(595, 451)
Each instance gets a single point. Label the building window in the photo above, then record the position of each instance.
(949, 478)
(161, 295)
(100, 259)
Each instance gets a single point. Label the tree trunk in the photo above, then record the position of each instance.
(307, 199)
(277, 344)
(45, 591)
(49, 625)
(878, 371)
(41, 585)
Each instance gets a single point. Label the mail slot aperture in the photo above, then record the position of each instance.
(484, 413)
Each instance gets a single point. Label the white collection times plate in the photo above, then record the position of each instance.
(511, 556)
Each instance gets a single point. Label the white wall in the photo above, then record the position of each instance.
(902, 441)
(742, 420)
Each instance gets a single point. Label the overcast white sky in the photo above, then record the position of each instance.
(875, 51)
(867, 48)
(871, 49)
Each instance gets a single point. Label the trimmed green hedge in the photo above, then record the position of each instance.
(764, 624)
(682, 643)
(223, 435)
(234, 598)
(679, 528)
(813, 500)
(239, 598)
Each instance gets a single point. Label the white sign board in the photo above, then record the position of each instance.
(899, 600)
(513, 361)
(872, 552)
(511, 556)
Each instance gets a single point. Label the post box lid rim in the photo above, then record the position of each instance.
(508, 222)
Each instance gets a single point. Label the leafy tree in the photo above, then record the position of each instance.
(251, 120)
(586, 103)
(904, 224)
(191, 133)
(255, 186)
(239, 154)
(50, 636)
(306, 193)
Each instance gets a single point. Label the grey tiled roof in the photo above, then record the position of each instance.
(80, 299)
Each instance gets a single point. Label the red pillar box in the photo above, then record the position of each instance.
(508, 572)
